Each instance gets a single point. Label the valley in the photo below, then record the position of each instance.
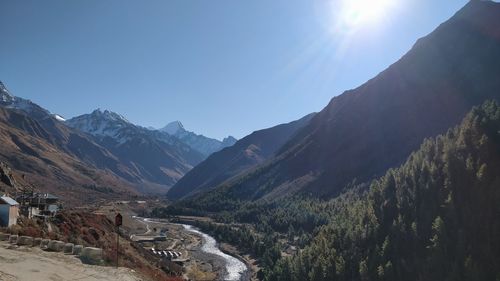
(397, 179)
(199, 254)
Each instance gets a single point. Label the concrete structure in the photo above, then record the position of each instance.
(91, 255)
(13, 239)
(38, 204)
(68, 248)
(25, 241)
(9, 211)
(37, 242)
(4, 237)
(145, 238)
(45, 243)
(77, 250)
(55, 246)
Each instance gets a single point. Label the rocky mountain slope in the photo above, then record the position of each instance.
(156, 157)
(59, 160)
(248, 152)
(197, 142)
(365, 131)
(104, 162)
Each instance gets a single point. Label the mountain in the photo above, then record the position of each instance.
(57, 159)
(101, 155)
(157, 158)
(433, 218)
(365, 131)
(246, 153)
(200, 143)
(9, 101)
(173, 127)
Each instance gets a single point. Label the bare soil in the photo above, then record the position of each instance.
(27, 264)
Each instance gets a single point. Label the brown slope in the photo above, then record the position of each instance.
(363, 132)
(50, 165)
(248, 152)
(157, 158)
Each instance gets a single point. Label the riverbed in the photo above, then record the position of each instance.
(235, 269)
(228, 267)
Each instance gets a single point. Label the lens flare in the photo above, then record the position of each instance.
(354, 14)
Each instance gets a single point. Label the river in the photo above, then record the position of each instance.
(235, 268)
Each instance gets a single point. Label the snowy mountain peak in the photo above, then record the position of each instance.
(3, 89)
(9, 101)
(5, 96)
(102, 123)
(58, 117)
(198, 142)
(229, 141)
(173, 128)
(108, 115)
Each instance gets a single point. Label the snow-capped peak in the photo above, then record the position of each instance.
(9, 101)
(59, 117)
(102, 123)
(5, 96)
(229, 141)
(173, 128)
(109, 115)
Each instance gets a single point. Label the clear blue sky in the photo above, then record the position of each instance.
(222, 67)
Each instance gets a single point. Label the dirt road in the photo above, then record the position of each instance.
(27, 264)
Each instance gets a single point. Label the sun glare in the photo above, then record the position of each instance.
(357, 13)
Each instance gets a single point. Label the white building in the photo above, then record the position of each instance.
(9, 211)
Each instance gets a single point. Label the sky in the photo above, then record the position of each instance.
(221, 67)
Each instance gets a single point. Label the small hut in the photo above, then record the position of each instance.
(9, 211)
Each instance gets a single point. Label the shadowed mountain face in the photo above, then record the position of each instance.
(253, 149)
(156, 157)
(103, 155)
(365, 131)
(59, 160)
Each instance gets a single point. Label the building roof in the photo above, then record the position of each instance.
(50, 196)
(8, 200)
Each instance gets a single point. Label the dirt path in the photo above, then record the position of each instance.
(27, 264)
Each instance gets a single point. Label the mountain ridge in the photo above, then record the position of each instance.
(365, 131)
(199, 142)
(245, 154)
(158, 157)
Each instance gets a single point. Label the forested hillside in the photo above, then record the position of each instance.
(434, 218)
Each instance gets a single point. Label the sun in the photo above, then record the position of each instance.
(358, 13)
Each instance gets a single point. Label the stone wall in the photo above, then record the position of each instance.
(88, 255)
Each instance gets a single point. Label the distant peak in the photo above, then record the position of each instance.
(59, 117)
(173, 127)
(229, 141)
(108, 114)
(5, 96)
(3, 89)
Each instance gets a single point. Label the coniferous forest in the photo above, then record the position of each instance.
(436, 217)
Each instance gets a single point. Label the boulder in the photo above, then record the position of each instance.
(91, 255)
(25, 241)
(68, 248)
(13, 239)
(37, 242)
(4, 237)
(55, 246)
(77, 250)
(45, 243)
